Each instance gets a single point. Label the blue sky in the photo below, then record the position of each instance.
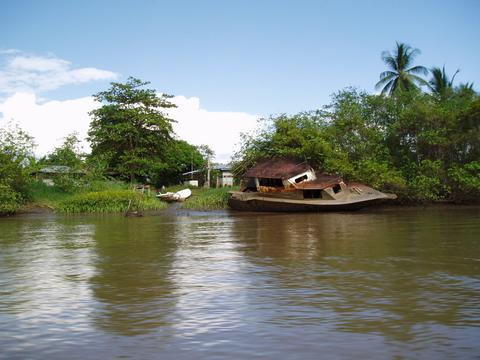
(228, 62)
(255, 56)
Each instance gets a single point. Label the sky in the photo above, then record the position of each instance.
(227, 63)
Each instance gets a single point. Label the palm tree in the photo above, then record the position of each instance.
(439, 83)
(466, 88)
(401, 77)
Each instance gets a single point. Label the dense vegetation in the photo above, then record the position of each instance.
(134, 139)
(208, 199)
(16, 157)
(109, 201)
(423, 145)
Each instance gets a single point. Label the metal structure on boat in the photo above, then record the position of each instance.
(289, 185)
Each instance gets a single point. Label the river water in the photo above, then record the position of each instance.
(382, 283)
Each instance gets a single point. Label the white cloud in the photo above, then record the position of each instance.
(219, 130)
(37, 64)
(31, 73)
(51, 121)
(48, 122)
(9, 51)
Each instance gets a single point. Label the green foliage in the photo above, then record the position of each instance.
(426, 183)
(465, 181)
(379, 174)
(181, 157)
(401, 77)
(46, 196)
(9, 200)
(68, 154)
(440, 84)
(51, 196)
(109, 201)
(130, 136)
(208, 199)
(129, 132)
(422, 146)
(16, 159)
(67, 183)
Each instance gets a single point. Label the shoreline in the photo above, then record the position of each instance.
(37, 208)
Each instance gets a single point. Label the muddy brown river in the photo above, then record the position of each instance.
(375, 284)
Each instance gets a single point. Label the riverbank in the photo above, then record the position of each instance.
(116, 197)
(119, 197)
(96, 197)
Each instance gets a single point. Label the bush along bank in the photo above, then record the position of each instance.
(208, 199)
(109, 201)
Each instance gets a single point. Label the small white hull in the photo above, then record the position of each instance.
(181, 195)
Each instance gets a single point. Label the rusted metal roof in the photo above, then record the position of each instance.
(277, 169)
(320, 183)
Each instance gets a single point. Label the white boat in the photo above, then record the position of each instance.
(181, 195)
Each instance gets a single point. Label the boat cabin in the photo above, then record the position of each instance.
(291, 179)
(290, 185)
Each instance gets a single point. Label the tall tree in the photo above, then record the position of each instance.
(68, 154)
(401, 76)
(130, 132)
(440, 84)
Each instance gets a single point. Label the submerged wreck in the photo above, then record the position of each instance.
(289, 185)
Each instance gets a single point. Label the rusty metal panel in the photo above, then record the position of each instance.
(277, 169)
(320, 183)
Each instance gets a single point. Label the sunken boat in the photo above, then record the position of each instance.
(288, 185)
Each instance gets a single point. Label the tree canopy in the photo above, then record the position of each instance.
(415, 144)
(68, 154)
(16, 155)
(131, 136)
(130, 132)
(440, 83)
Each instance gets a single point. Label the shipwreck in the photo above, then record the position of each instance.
(288, 185)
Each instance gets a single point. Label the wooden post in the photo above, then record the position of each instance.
(207, 183)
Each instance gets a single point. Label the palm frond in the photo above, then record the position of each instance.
(419, 80)
(393, 86)
(385, 80)
(419, 69)
(387, 74)
(389, 60)
(450, 84)
(388, 87)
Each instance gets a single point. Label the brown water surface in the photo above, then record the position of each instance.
(383, 283)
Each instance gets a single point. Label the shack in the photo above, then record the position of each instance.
(48, 174)
(220, 175)
(224, 176)
(274, 175)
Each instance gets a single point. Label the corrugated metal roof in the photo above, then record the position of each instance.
(277, 169)
(55, 169)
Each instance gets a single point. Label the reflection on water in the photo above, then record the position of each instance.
(383, 283)
(132, 283)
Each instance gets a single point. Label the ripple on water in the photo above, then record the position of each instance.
(376, 284)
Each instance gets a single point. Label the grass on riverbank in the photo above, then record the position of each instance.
(109, 201)
(113, 196)
(97, 197)
(206, 199)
